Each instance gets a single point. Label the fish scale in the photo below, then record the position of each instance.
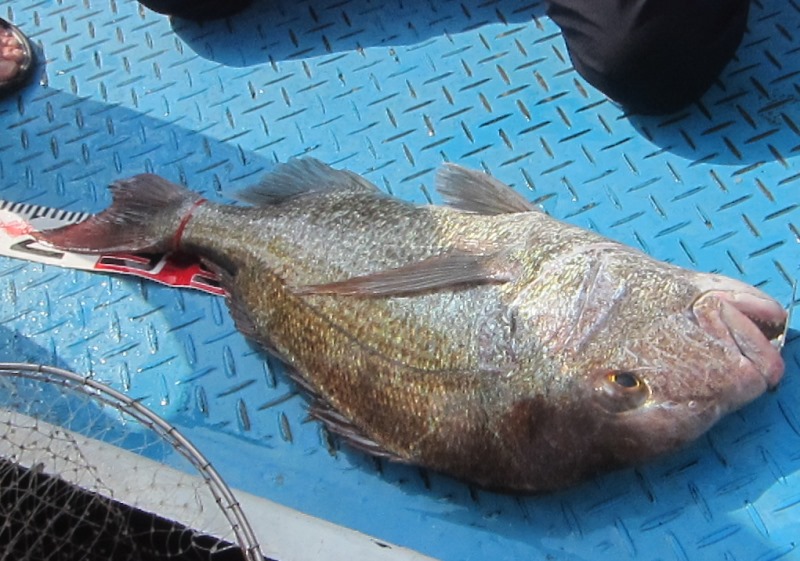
(301, 264)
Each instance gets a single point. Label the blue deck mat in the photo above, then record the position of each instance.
(390, 90)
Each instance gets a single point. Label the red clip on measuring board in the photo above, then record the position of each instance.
(18, 220)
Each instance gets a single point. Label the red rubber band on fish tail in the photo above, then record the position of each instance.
(176, 237)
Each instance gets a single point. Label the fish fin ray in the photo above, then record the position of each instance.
(477, 192)
(302, 176)
(128, 225)
(443, 271)
(241, 318)
(348, 432)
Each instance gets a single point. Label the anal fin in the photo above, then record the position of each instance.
(348, 432)
(240, 315)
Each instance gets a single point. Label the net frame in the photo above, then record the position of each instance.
(221, 492)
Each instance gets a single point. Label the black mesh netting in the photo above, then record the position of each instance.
(87, 473)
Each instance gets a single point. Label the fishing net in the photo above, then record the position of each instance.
(87, 473)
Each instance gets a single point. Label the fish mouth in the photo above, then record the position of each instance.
(748, 319)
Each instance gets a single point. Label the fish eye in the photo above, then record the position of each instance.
(618, 391)
(627, 380)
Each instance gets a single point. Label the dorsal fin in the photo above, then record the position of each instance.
(475, 191)
(301, 176)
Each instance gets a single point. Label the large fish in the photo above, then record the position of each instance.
(482, 339)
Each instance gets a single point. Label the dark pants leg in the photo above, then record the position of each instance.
(652, 56)
(196, 9)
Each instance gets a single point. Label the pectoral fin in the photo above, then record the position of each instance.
(443, 271)
(475, 191)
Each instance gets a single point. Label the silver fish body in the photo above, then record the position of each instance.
(482, 339)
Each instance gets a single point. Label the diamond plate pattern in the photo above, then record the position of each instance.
(391, 90)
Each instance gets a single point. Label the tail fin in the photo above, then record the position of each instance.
(148, 213)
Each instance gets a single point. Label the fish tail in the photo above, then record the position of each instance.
(148, 213)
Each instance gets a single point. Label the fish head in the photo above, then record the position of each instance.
(675, 351)
(648, 356)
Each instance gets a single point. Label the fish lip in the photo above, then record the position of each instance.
(764, 312)
(751, 321)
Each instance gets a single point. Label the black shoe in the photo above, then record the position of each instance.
(196, 9)
(24, 63)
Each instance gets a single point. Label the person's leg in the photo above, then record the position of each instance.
(196, 9)
(651, 56)
(16, 57)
